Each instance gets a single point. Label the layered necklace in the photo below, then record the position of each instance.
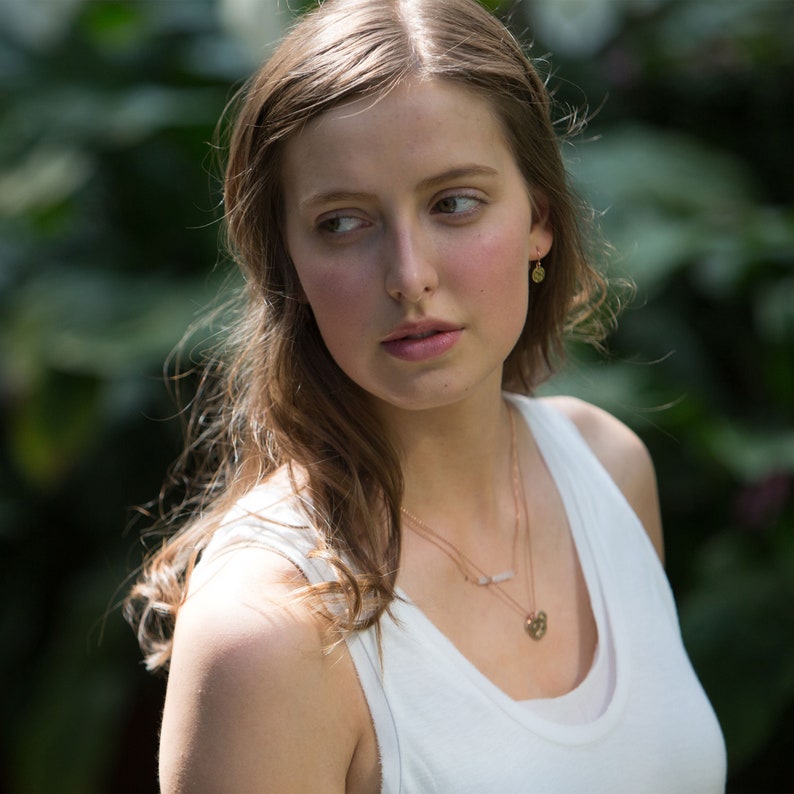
(535, 622)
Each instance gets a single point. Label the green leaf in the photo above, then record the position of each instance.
(633, 165)
(54, 426)
(751, 454)
(48, 175)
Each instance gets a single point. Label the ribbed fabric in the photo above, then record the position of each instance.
(639, 722)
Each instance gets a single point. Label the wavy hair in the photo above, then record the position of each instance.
(273, 396)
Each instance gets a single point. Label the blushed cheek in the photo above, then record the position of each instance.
(510, 306)
(333, 291)
(340, 308)
(499, 273)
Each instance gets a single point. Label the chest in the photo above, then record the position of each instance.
(488, 624)
(488, 627)
(450, 727)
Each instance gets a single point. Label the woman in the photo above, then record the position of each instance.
(399, 574)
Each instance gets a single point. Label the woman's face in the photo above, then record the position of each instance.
(411, 230)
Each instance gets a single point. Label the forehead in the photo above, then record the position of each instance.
(416, 126)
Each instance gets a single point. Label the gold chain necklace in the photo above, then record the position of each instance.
(535, 623)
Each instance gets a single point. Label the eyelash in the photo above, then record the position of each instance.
(327, 223)
(457, 197)
(326, 226)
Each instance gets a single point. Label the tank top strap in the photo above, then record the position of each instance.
(271, 517)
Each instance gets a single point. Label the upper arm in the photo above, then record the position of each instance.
(625, 457)
(251, 694)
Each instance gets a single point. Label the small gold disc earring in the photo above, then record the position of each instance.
(538, 272)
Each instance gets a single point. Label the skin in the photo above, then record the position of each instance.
(404, 211)
(387, 224)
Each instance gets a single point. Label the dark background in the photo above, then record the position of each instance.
(108, 251)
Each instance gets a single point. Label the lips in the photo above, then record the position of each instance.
(422, 340)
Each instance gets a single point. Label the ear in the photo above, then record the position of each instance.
(541, 235)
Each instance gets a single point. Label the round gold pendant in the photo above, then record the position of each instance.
(536, 625)
(538, 274)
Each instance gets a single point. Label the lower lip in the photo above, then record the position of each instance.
(423, 349)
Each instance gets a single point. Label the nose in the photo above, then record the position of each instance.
(411, 273)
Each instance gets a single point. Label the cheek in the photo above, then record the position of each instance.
(497, 268)
(332, 288)
(496, 275)
(340, 305)
(334, 291)
(328, 282)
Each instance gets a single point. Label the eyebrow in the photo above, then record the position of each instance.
(458, 172)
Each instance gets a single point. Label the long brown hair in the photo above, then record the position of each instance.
(274, 397)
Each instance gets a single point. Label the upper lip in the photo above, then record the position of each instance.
(415, 328)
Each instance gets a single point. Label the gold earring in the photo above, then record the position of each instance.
(538, 272)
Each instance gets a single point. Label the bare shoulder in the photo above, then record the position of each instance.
(251, 689)
(623, 454)
(618, 447)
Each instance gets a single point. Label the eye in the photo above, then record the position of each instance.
(341, 224)
(456, 205)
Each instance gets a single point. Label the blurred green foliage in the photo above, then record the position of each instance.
(108, 245)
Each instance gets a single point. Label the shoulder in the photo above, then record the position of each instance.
(618, 447)
(625, 457)
(251, 686)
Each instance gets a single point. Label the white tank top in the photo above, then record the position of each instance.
(639, 722)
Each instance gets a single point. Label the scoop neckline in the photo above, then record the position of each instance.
(608, 624)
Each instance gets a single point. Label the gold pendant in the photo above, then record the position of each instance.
(536, 625)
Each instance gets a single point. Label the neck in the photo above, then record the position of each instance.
(457, 467)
